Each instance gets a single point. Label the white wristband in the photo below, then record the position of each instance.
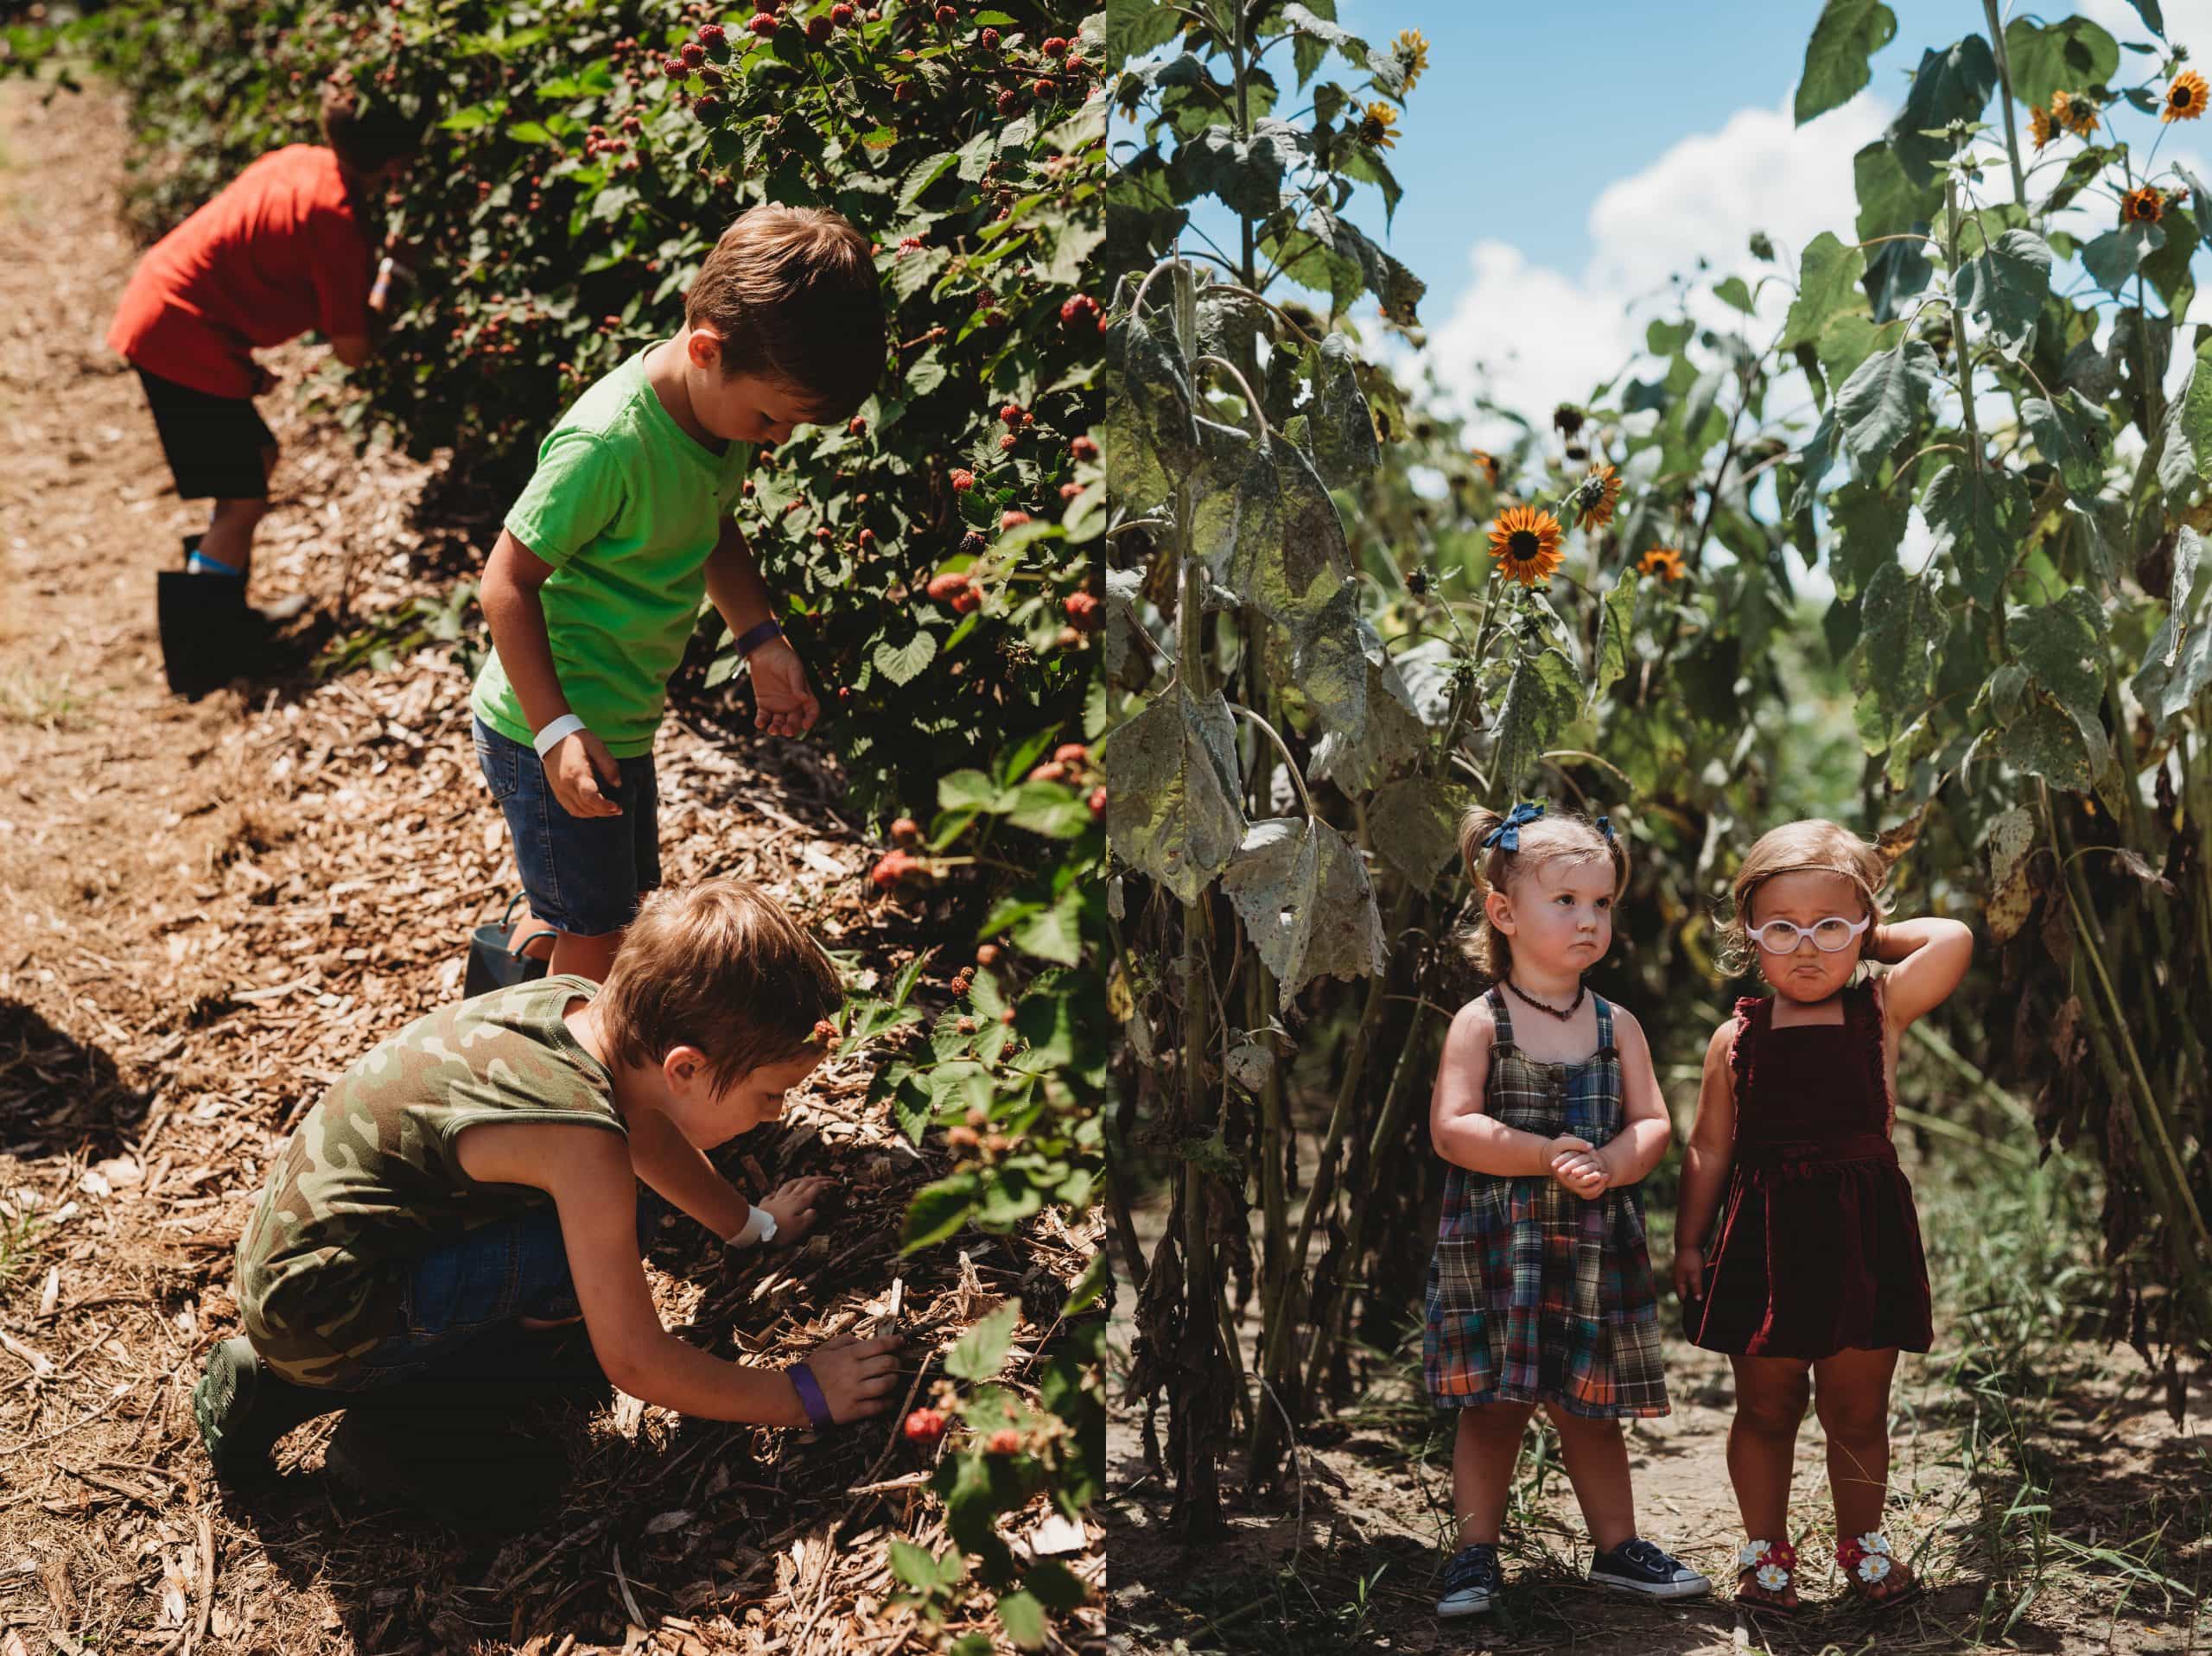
(557, 732)
(760, 1226)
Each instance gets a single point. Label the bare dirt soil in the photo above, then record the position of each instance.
(212, 909)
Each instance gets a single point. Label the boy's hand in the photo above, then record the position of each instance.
(1690, 1274)
(857, 1377)
(586, 780)
(1582, 1172)
(792, 1202)
(784, 699)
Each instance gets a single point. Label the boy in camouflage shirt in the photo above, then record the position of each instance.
(477, 1174)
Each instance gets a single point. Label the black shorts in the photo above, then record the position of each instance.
(213, 444)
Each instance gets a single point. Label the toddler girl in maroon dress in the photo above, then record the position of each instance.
(1797, 1251)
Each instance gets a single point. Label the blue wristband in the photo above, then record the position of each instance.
(754, 636)
(810, 1397)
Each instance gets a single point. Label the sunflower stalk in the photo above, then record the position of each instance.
(2005, 89)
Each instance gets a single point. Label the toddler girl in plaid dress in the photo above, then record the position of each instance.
(1549, 1110)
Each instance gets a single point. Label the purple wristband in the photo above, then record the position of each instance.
(810, 1397)
(754, 636)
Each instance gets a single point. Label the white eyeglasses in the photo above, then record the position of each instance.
(1830, 934)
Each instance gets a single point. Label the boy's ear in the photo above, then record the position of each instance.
(703, 345)
(683, 1068)
(1497, 908)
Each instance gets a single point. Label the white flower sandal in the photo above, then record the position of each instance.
(1867, 1561)
(1771, 1566)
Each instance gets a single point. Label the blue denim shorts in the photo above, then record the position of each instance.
(583, 875)
(464, 1295)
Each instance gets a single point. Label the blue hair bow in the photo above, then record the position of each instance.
(1604, 826)
(1507, 833)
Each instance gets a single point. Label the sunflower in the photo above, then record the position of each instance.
(1488, 461)
(2042, 128)
(2143, 206)
(1411, 49)
(2076, 112)
(1664, 562)
(1525, 543)
(1378, 127)
(2185, 98)
(1600, 495)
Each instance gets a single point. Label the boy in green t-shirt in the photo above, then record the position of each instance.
(593, 589)
(477, 1175)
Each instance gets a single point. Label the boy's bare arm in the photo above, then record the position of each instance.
(785, 703)
(677, 1168)
(585, 779)
(587, 1173)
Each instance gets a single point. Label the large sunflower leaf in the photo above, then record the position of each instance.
(2068, 55)
(1848, 33)
(1271, 533)
(1173, 810)
(2119, 254)
(1340, 427)
(1901, 622)
(1307, 903)
(1827, 282)
(1953, 85)
(1880, 404)
(2004, 285)
(2066, 431)
(2156, 682)
(1978, 518)
(2062, 646)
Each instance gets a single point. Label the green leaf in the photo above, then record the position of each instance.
(1953, 85)
(2065, 432)
(1414, 823)
(1173, 810)
(1868, 524)
(1732, 290)
(1057, 1587)
(1307, 903)
(2162, 691)
(2167, 267)
(2152, 19)
(2117, 255)
(1541, 700)
(1135, 27)
(1879, 404)
(1268, 531)
(2062, 646)
(1615, 631)
(1828, 281)
(1023, 1617)
(1053, 934)
(2006, 286)
(2069, 55)
(937, 1211)
(1050, 808)
(1978, 518)
(914, 1565)
(981, 1352)
(529, 132)
(1848, 33)
(1901, 622)
(970, 791)
(903, 663)
(1090, 1287)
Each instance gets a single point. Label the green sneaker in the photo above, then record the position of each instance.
(243, 1409)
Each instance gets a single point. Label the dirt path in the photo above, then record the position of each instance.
(211, 910)
(1346, 1554)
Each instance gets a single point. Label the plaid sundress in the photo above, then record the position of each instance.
(1534, 1295)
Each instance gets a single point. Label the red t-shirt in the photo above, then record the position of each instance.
(279, 252)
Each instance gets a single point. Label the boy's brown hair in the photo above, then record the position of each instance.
(1813, 846)
(367, 130)
(721, 967)
(1568, 838)
(792, 292)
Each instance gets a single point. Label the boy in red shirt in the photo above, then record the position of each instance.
(284, 249)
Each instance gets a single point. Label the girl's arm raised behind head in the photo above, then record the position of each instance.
(1928, 959)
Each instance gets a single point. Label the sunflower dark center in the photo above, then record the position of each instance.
(1521, 545)
(2183, 96)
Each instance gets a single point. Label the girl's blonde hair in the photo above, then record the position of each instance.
(1814, 846)
(1493, 865)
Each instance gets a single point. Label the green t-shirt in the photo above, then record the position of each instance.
(372, 1180)
(626, 506)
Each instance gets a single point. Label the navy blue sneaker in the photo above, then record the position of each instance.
(1471, 1581)
(1636, 1566)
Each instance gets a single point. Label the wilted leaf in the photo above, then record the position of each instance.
(2062, 646)
(1393, 735)
(1414, 823)
(2012, 895)
(1172, 806)
(1307, 903)
(1340, 425)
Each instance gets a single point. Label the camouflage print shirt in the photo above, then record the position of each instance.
(372, 1179)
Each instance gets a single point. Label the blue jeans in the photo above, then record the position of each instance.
(467, 1300)
(583, 875)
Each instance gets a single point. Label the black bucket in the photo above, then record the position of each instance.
(493, 965)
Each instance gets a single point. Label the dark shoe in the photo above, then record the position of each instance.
(243, 1409)
(1471, 1581)
(209, 634)
(453, 1452)
(1638, 1566)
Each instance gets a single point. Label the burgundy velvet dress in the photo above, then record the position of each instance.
(1817, 1247)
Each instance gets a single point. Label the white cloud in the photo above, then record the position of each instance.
(1532, 336)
